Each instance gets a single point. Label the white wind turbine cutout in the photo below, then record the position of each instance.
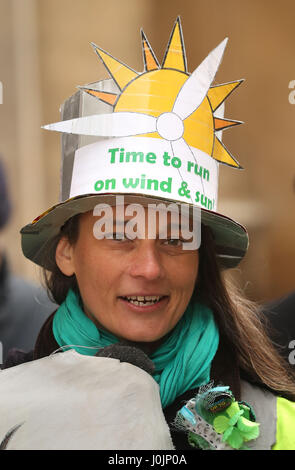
(169, 125)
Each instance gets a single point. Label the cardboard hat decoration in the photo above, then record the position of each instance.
(154, 135)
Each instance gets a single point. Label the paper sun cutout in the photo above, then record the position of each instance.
(163, 102)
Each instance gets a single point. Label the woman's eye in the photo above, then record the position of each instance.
(173, 242)
(117, 237)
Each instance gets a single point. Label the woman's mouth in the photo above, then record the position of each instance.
(143, 300)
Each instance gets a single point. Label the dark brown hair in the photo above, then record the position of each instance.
(57, 283)
(239, 319)
(241, 323)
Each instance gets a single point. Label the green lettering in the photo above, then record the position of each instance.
(155, 183)
(204, 200)
(121, 155)
(113, 154)
(111, 182)
(151, 157)
(165, 186)
(190, 165)
(142, 182)
(130, 183)
(166, 156)
(198, 171)
(98, 186)
(134, 156)
(210, 204)
(176, 162)
(206, 174)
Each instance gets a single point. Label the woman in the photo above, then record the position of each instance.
(155, 293)
(159, 268)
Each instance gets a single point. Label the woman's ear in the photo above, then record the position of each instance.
(64, 257)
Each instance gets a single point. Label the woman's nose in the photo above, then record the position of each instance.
(146, 261)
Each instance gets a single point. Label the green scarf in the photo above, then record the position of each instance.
(182, 361)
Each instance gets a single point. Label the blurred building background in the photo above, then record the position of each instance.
(45, 53)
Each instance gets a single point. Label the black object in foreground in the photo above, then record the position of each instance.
(129, 354)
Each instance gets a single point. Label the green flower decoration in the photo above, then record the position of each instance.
(198, 441)
(236, 426)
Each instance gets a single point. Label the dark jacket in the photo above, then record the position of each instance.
(280, 321)
(24, 306)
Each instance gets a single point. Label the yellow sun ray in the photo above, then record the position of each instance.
(149, 58)
(221, 154)
(220, 124)
(217, 94)
(175, 57)
(106, 97)
(121, 73)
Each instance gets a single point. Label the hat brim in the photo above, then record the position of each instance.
(231, 238)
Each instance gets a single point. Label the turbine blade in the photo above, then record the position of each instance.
(181, 149)
(107, 125)
(196, 87)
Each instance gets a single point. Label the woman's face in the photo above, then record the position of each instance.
(137, 289)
